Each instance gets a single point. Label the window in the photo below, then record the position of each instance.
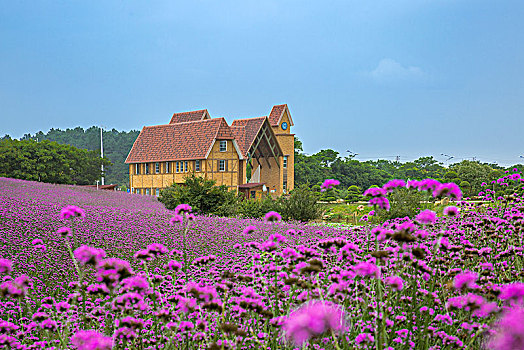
(223, 146)
(284, 186)
(157, 168)
(147, 168)
(137, 169)
(253, 194)
(177, 167)
(137, 191)
(185, 166)
(157, 192)
(167, 167)
(147, 192)
(221, 165)
(197, 165)
(285, 162)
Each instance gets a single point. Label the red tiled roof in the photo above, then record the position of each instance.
(224, 131)
(181, 141)
(276, 113)
(191, 116)
(245, 131)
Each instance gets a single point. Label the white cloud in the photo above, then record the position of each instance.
(390, 71)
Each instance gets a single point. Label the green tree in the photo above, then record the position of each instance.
(354, 194)
(48, 161)
(301, 205)
(202, 195)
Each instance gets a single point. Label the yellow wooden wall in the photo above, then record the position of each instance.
(208, 169)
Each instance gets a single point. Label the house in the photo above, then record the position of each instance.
(252, 155)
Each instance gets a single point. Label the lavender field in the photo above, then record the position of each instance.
(84, 269)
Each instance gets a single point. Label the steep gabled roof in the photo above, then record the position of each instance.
(191, 116)
(181, 141)
(245, 131)
(224, 131)
(276, 114)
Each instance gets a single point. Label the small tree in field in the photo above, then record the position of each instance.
(354, 194)
(202, 195)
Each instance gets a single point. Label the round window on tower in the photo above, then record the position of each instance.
(284, 126)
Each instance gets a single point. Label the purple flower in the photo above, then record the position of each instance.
(509, 331)
(182, 209)
(64, 231)
(71, 211)
(395, 282)
(37, 241)
(451, 211)
(157, 249)
(366, 269)
(176, 219)
(329, 184)
(173, 265)
(312, 320)
(392, 184)
(364, 338)
(6, 266)
(91, 340)
(272, 216)
(88, 255)
(450, 190)
(426, 217)
(375, 192)
(249, 229)
(514, 292)
(428, 185)
(381, 202)
(465, 280)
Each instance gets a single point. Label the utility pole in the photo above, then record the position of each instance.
(101, 154)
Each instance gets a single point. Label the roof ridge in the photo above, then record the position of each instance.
(195, 121)
(265, 116)
(196, 110)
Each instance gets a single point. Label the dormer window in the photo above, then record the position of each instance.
(223, 146)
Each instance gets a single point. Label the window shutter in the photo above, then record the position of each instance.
(226, 164)
(218, 165)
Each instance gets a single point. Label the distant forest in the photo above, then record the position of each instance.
(310, 170)
(117, 145)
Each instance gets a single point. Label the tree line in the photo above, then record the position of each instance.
(356, 176)
(49, 161)
(311, 170)
(117, 145)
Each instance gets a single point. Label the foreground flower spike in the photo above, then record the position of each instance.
(312, 320)
(6, 266)
(329, 184)
(71, 211)
(451, 211)
(510, 331)
(450, 190)
(182, 209)
(272, 216)
(465, 280)
(91, 340)
(426, 217)
(88, 255)
(249, 229)
(391, 185)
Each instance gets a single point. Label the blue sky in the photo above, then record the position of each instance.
(380, 78)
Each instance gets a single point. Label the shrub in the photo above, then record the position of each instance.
(301, 205)
(354, 194)
(404, 202)
(202, 195)
(257, 208)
